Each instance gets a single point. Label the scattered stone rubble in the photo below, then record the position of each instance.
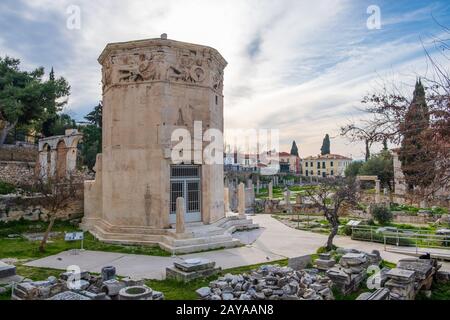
(84, 286)
(270, 282)
(411, 276)
(406, 280)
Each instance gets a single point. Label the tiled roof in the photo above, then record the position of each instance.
(327, 156)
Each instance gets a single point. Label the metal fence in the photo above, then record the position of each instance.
(402, 238)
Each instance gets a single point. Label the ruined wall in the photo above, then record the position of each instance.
(16, 207)
(17, 173)
(18, 153)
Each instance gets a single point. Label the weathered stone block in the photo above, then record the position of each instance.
(192, 265)
(299, 263)
(180, 275)
(108, 273)
(7, 270)
(112, 287)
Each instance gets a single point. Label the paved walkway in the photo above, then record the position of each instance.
(273, 241)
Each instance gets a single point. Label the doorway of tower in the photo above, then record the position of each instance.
(185, 181)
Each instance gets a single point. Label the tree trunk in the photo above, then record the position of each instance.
(47, 232)
(367, 150)
(333, 233)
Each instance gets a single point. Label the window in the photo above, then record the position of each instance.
(331, 173)
(318, 165)
(217, 100)
(318, 172)
(324, 174)
(331, 163)
(323, 165)
(312, 172)
(306, 164)
(312, 164)
(307, 173)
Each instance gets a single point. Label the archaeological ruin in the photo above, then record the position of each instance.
(150, 89)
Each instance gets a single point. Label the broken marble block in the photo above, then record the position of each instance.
(299, 263)
(379, 294)
(401, 284)
(324, 262)
(133, 281)
(68, 295)
(423, 267)
(374, 258)
(7, 270)
(8, 274)
(108, 273)
(191, 269)
(112, 287)
(349, 260)
(95, 296)
(82, 275)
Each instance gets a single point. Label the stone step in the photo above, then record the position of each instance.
(201, 247)
(198, 241)
(102, 234)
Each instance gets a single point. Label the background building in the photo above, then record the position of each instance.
(325, 165)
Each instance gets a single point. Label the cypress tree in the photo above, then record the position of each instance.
(294, 149)
(325, 145)
(417, 163)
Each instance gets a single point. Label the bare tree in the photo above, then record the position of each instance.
(330, 196)
(365, 132)
(389, 111)
(57, 193)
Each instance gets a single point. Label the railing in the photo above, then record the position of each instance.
(402, 238)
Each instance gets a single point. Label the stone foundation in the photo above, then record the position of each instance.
(16, 207)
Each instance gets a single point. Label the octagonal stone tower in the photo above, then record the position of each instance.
(150, 88)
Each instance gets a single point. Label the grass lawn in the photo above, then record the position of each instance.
(278, 192)
(439, 291)
(21, 248)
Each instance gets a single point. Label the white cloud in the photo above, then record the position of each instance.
(299, 66)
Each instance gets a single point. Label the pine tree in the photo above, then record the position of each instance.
(417, 162)
(325, 145)
(51, 76)
(294, 149)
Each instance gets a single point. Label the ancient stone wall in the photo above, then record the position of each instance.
(17, 173)
(18, 153)
(16, 207)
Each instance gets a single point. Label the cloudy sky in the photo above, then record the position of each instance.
(298, 66)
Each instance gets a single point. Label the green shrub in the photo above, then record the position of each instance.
(439, 210)
(6, 188)
(347, 230)
(382, 214)
(324, 249)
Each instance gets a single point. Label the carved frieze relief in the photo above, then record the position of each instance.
(158, 64)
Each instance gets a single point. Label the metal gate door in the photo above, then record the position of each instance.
(185, 182)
